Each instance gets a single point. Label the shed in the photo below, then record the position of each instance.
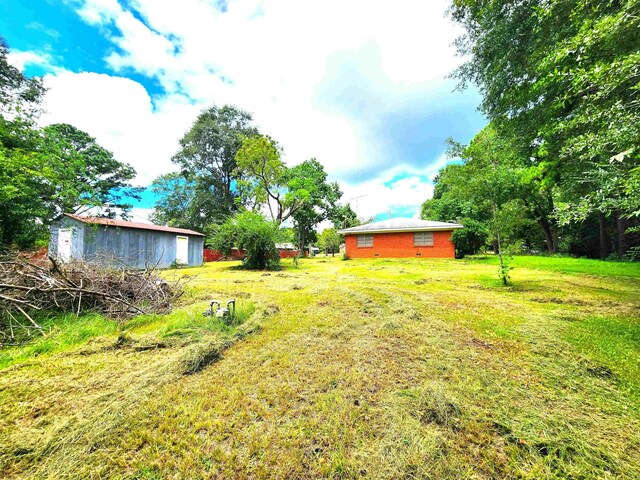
(400, 238)
(133, 244)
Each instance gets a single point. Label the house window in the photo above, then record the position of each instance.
(423, 239)
(365, 241)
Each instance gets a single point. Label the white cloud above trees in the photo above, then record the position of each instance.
(333, 80)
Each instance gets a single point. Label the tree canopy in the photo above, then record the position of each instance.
(308, 181)
(90, 176)
(300, 192)
(207, 162)
(560, 85)
(45, 172)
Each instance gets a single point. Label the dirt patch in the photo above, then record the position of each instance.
(476, 342)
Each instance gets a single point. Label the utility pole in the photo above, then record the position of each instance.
(356, 199)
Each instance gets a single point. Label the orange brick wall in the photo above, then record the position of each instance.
(400, 245)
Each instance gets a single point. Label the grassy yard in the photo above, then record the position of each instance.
(365, 368)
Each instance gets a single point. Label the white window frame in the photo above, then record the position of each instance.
(364, 240)
(423, 239)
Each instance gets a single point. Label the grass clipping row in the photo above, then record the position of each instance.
(59, 449)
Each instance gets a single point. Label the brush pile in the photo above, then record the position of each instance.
(28, 290)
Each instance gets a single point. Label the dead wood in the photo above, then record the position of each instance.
(77, 288)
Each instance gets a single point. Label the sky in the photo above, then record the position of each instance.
(360, 85)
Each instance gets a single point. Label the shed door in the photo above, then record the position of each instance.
(64, 244)
(182, 250)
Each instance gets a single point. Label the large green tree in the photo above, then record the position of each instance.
(24, 177)
(343, 216)
(175, 204)
(308, 181)
(329, 240)
(23, 172)
(18, 93)
(560, 81)
(46, 172)
(89, 175)
(207, 161)
(301, 192)
(259, 163)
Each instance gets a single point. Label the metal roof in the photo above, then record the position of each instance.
(124, 224)
(400, 225)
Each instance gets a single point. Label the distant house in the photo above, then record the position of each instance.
(286, 246)
(287, 250)
(400, 238)
(117, 242)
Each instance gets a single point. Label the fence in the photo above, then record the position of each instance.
(216, 256)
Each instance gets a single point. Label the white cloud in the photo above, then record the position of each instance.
(120, 114)
(321, 78)
(141, 215)
(20, 59)
(401, 188)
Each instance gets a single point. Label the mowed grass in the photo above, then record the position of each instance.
(568, 265)
(361, 369)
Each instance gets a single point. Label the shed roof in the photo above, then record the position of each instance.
(124, 224)
(400, 225)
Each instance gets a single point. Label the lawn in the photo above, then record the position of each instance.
(366, 368)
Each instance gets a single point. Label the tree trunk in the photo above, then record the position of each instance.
(503, 276)
(604, 237)
(302, 237)
(550, 234)
(620, 228)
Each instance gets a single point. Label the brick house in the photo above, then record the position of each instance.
(400, 238)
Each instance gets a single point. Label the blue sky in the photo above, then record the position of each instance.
(361, 86)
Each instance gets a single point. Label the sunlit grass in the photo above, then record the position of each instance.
(568, 265)
(61, 333)
(381, 368)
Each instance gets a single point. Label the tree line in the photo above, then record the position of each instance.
(45, 172)
(558, 167)
(232, 183)
(227, 175)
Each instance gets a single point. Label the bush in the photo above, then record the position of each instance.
(252, 233)
(632, 255)
(471, 238)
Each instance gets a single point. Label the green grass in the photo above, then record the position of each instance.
(567, 265)
(62, 333)
(413, 368)
(613, 342)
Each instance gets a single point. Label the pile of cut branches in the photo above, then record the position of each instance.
(28, 291)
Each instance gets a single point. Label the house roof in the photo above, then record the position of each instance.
(124, 224)
(400, 225)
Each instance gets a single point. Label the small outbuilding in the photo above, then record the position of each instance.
(117, 242)
(400, 238)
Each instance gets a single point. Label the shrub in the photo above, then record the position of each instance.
(252, 233)
(471, 238)
(633, 254)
